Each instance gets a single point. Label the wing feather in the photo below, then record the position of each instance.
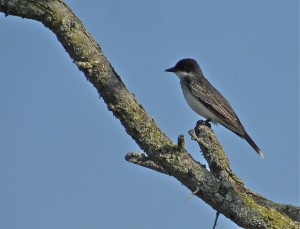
(215, 102)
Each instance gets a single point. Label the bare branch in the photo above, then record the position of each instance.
(212, 150)
(218, 188)
(142, 160)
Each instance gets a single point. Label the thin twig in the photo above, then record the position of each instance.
(215, 223)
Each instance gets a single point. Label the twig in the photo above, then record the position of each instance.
(216, 219)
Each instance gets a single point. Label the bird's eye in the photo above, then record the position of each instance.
(187, 69)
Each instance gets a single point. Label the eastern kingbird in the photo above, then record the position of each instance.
(207, 101)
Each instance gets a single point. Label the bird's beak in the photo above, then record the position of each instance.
(170, 70)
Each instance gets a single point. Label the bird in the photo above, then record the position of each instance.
(207, 101)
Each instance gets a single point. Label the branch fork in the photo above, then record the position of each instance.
(218, 187)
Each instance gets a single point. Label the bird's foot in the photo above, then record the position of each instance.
(206, 122)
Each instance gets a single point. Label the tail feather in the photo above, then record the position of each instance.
(254, 146)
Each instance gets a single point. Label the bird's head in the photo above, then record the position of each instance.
(185, 67)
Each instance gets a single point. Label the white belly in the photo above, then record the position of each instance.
(198, 107)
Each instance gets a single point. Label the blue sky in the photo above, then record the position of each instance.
(62, 152)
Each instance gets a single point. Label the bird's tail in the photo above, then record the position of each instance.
(254, 146)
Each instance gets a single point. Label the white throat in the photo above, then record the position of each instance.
(182, 75)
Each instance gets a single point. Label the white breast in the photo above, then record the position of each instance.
(197, 106)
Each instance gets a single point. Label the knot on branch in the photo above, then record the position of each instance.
(181, 143)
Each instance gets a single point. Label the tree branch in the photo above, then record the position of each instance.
(219, 187)
(219, 166)
(142, 160)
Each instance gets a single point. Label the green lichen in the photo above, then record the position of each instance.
(271, 217)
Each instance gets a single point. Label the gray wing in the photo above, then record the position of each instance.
(216, 103)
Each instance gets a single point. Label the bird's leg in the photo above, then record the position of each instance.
(206, 122)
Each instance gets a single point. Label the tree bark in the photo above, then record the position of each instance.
(218, 187)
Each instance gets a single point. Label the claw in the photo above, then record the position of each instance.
(206, 122)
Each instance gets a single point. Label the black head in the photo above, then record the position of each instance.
(185, 65)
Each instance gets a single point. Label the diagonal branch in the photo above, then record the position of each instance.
(219, 192)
